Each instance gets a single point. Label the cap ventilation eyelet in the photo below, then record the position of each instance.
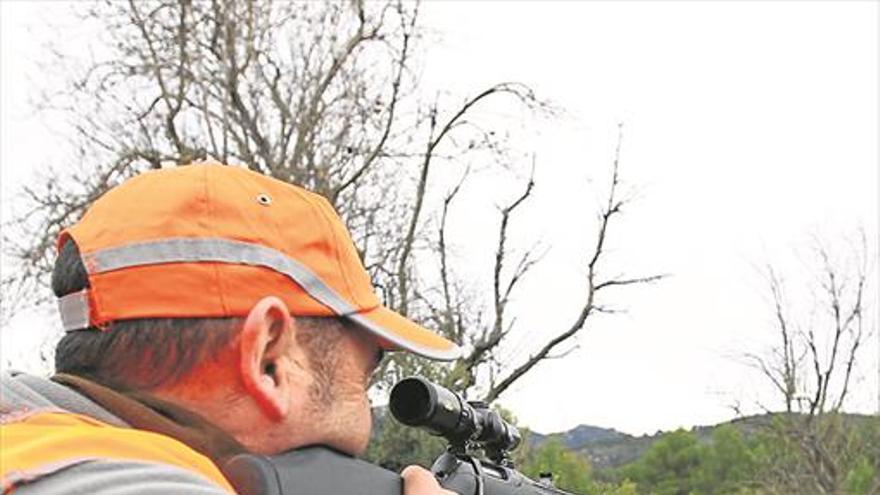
(264, 199)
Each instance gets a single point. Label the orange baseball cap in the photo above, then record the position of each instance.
(209, 240)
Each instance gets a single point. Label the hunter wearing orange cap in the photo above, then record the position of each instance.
(209, 311)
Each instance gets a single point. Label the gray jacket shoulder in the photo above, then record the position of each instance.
(20, 392)
(106, 477)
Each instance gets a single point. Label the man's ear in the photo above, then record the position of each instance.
(265, 339)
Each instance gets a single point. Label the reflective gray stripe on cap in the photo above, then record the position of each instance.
(450, 354)
(75, 307)
(74, 310)
(185, 250)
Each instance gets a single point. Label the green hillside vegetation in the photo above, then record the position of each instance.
(570, 470)
(746, 456)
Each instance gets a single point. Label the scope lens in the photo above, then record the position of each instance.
(411, 402)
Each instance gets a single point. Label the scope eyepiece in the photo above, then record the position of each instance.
(412, 400)
(418, 402)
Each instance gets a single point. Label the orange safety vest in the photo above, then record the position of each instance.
(41, 443)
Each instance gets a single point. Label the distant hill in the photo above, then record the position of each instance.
(581, 435)
(608, 448)
(603, 447)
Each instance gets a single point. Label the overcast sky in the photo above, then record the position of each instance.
(748, 126)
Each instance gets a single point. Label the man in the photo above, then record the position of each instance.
(209, 311)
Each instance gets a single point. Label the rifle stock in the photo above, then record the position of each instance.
(322, 471)
(309, 471)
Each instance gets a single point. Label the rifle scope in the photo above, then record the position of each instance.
(417, 402)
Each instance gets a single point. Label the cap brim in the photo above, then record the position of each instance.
(403, 334)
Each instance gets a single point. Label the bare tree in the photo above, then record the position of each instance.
(485, 330)
(596, 284)
(811, 368)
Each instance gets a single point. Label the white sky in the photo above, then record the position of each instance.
(748, 126)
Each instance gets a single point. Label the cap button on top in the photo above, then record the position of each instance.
(264, 199)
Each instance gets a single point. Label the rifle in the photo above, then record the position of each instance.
(469, 427)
